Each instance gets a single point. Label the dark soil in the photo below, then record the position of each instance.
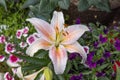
(106, 18)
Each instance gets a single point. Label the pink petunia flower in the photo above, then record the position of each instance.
(7, 76)
(23, 44)
(17, 71)
(31, 39)
(86, 48)
(25, 30)
(2, 58)
(9, 48)
(19, 34)
(13, 61)
(2, 39)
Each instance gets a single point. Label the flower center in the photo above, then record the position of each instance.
(58, 39)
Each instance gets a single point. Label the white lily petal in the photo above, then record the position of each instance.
(76, 47)
(35, 46)
(59, 58)
(73, 33)
(43, 28)
(57, 21)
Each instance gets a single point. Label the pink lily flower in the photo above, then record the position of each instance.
(58, 40)
(7, 76)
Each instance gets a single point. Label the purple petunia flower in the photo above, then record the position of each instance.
(90, 56)
(102, 39)
(105, 31)
(72, 56)
(91, 64)
(77, 21)
(100, 61)
(117, 44)
(96, 44)
(106, 54)
(89, 61)
(77, 77)
(100, 74)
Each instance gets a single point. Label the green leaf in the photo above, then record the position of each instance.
(102, 67)
(60, 77)
(118, 73)
(103, 78)
(64, 4)
(30, 2)
(30, 67)
(3, 3)
(68, 67)
(83, 5)
(75, 64)
(100, 4)
(115, 52)
(43, 9)
(41, 53)
(33, 60)
(104, 5)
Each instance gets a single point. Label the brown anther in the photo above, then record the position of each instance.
(64, 34)
(67, 33)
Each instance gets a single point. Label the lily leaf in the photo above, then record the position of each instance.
(33, 60)
(83, 5)
(64, 4)
(30, 2)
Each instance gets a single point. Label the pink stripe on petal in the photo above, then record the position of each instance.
(59, 58)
